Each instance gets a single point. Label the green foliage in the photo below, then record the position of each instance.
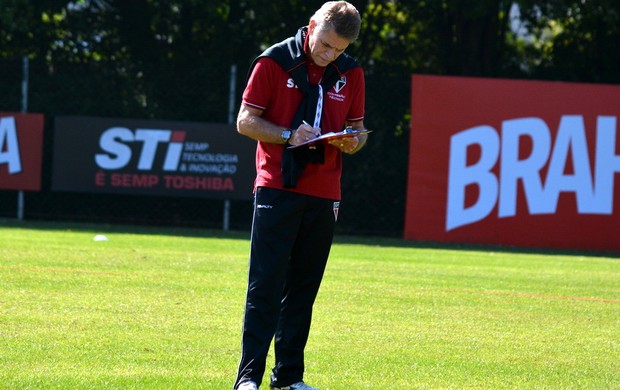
(443, 37)
(573, 40)
(388, 42)
(159, 308)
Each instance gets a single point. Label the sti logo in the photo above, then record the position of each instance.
(9, 146)
(593, 186)
(117, 153)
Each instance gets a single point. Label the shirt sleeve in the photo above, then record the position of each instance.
(258, 91)
(357, 108)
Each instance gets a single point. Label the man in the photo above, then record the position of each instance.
(298, 89)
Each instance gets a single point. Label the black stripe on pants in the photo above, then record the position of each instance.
(291, 239)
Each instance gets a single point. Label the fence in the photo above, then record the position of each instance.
(374, 180)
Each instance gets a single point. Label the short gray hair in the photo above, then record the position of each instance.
(340, 16)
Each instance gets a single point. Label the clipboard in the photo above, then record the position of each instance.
(346, 133)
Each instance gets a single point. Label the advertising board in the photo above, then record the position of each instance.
(510, 162)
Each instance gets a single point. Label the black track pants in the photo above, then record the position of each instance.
(291, 239)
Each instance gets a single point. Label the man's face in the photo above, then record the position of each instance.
(325, 46)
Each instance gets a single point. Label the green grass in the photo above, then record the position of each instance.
(162, 309)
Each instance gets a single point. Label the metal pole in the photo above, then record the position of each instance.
(20, 205)
(25, 71)
(231, 120)
(231, 94)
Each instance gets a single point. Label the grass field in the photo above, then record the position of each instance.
(162, 309)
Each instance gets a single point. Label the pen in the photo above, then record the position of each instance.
(308, 124)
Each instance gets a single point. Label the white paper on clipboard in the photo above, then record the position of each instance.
(346, 133)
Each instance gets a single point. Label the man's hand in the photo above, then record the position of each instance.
(346, 145)
(304, 133)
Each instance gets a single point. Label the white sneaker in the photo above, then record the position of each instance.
(296, 386)
(247, 386)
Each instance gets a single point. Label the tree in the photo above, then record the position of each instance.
(572, 40)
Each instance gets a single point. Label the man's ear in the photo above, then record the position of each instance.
(311, 26)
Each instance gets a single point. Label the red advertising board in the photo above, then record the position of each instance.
(518, 163)
(21, 149)
(150, 157)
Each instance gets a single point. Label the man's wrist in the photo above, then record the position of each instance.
(286, 135)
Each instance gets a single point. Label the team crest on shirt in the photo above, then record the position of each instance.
(335, 94)
(340, 84)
